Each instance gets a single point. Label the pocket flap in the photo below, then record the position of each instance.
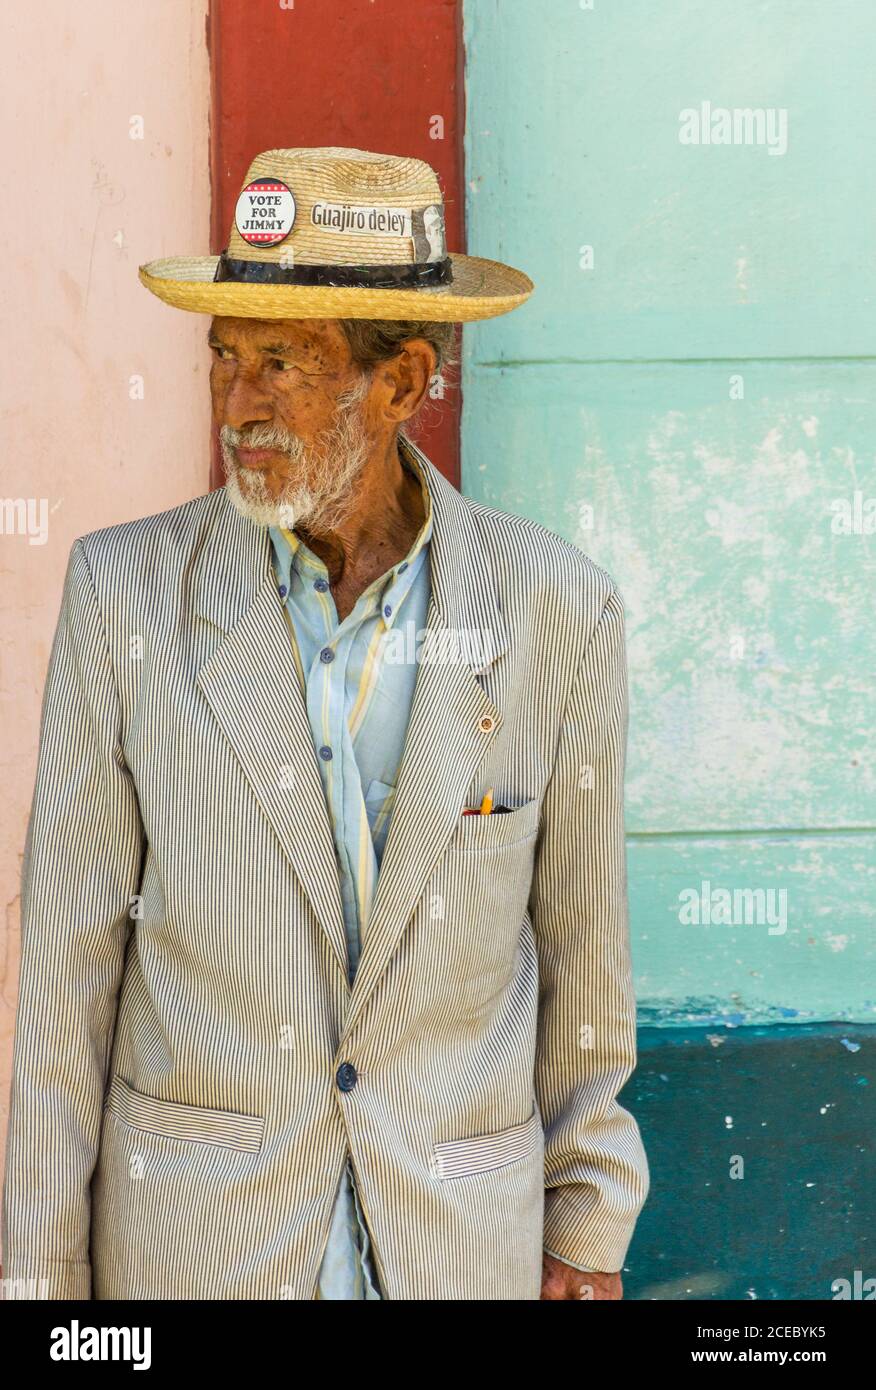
(487, 1151)
(194, 1123)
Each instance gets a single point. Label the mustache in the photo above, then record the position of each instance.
(260, 437)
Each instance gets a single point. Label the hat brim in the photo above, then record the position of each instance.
(480, 289)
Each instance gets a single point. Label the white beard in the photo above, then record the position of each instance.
(332, 465)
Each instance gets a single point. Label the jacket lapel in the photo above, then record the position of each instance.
(251, 685)
(452, 724)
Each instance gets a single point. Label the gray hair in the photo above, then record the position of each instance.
(377, 340)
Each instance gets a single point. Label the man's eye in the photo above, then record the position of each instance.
(223, 354)
(282, 366)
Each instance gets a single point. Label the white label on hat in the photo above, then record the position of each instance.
(365, 221)
(265, 212)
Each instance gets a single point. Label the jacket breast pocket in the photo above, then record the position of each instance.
(462, 1157)
(194, 1124)
(498, 829)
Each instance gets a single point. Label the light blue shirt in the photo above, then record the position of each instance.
(358, 680)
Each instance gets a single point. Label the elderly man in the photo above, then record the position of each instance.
(325, 983)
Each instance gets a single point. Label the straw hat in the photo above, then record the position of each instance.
(338, 233)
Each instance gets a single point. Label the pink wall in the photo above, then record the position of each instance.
(86, 204)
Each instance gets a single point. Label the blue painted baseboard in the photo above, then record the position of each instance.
(797, 1107)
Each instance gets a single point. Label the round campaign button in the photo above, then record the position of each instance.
(265, 212)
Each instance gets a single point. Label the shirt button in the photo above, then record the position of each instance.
(326, 654)
(321, 585)
(387, 610)
(282, 591)
(325, 753)
(403, 566)
(346, 1077)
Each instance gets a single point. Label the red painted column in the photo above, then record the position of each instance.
(371, 74)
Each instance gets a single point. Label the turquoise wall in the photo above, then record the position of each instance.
(692, 404)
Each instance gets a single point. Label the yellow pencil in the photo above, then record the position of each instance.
(487, 803)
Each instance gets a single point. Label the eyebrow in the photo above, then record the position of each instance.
(270, 349)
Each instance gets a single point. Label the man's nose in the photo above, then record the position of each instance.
(246, 402)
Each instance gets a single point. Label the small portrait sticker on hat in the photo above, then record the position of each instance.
(265, 212)
(428, 234)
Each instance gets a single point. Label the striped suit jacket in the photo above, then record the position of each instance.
(186, 1038)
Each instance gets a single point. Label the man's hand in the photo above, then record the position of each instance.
(561, 1281)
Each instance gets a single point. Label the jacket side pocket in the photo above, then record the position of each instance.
(194, 1124)
(461, 1157)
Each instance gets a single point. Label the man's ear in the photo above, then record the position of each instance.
(412, 369)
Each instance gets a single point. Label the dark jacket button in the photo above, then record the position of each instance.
(346, 1077)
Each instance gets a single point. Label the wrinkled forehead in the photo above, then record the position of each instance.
(320, 340)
